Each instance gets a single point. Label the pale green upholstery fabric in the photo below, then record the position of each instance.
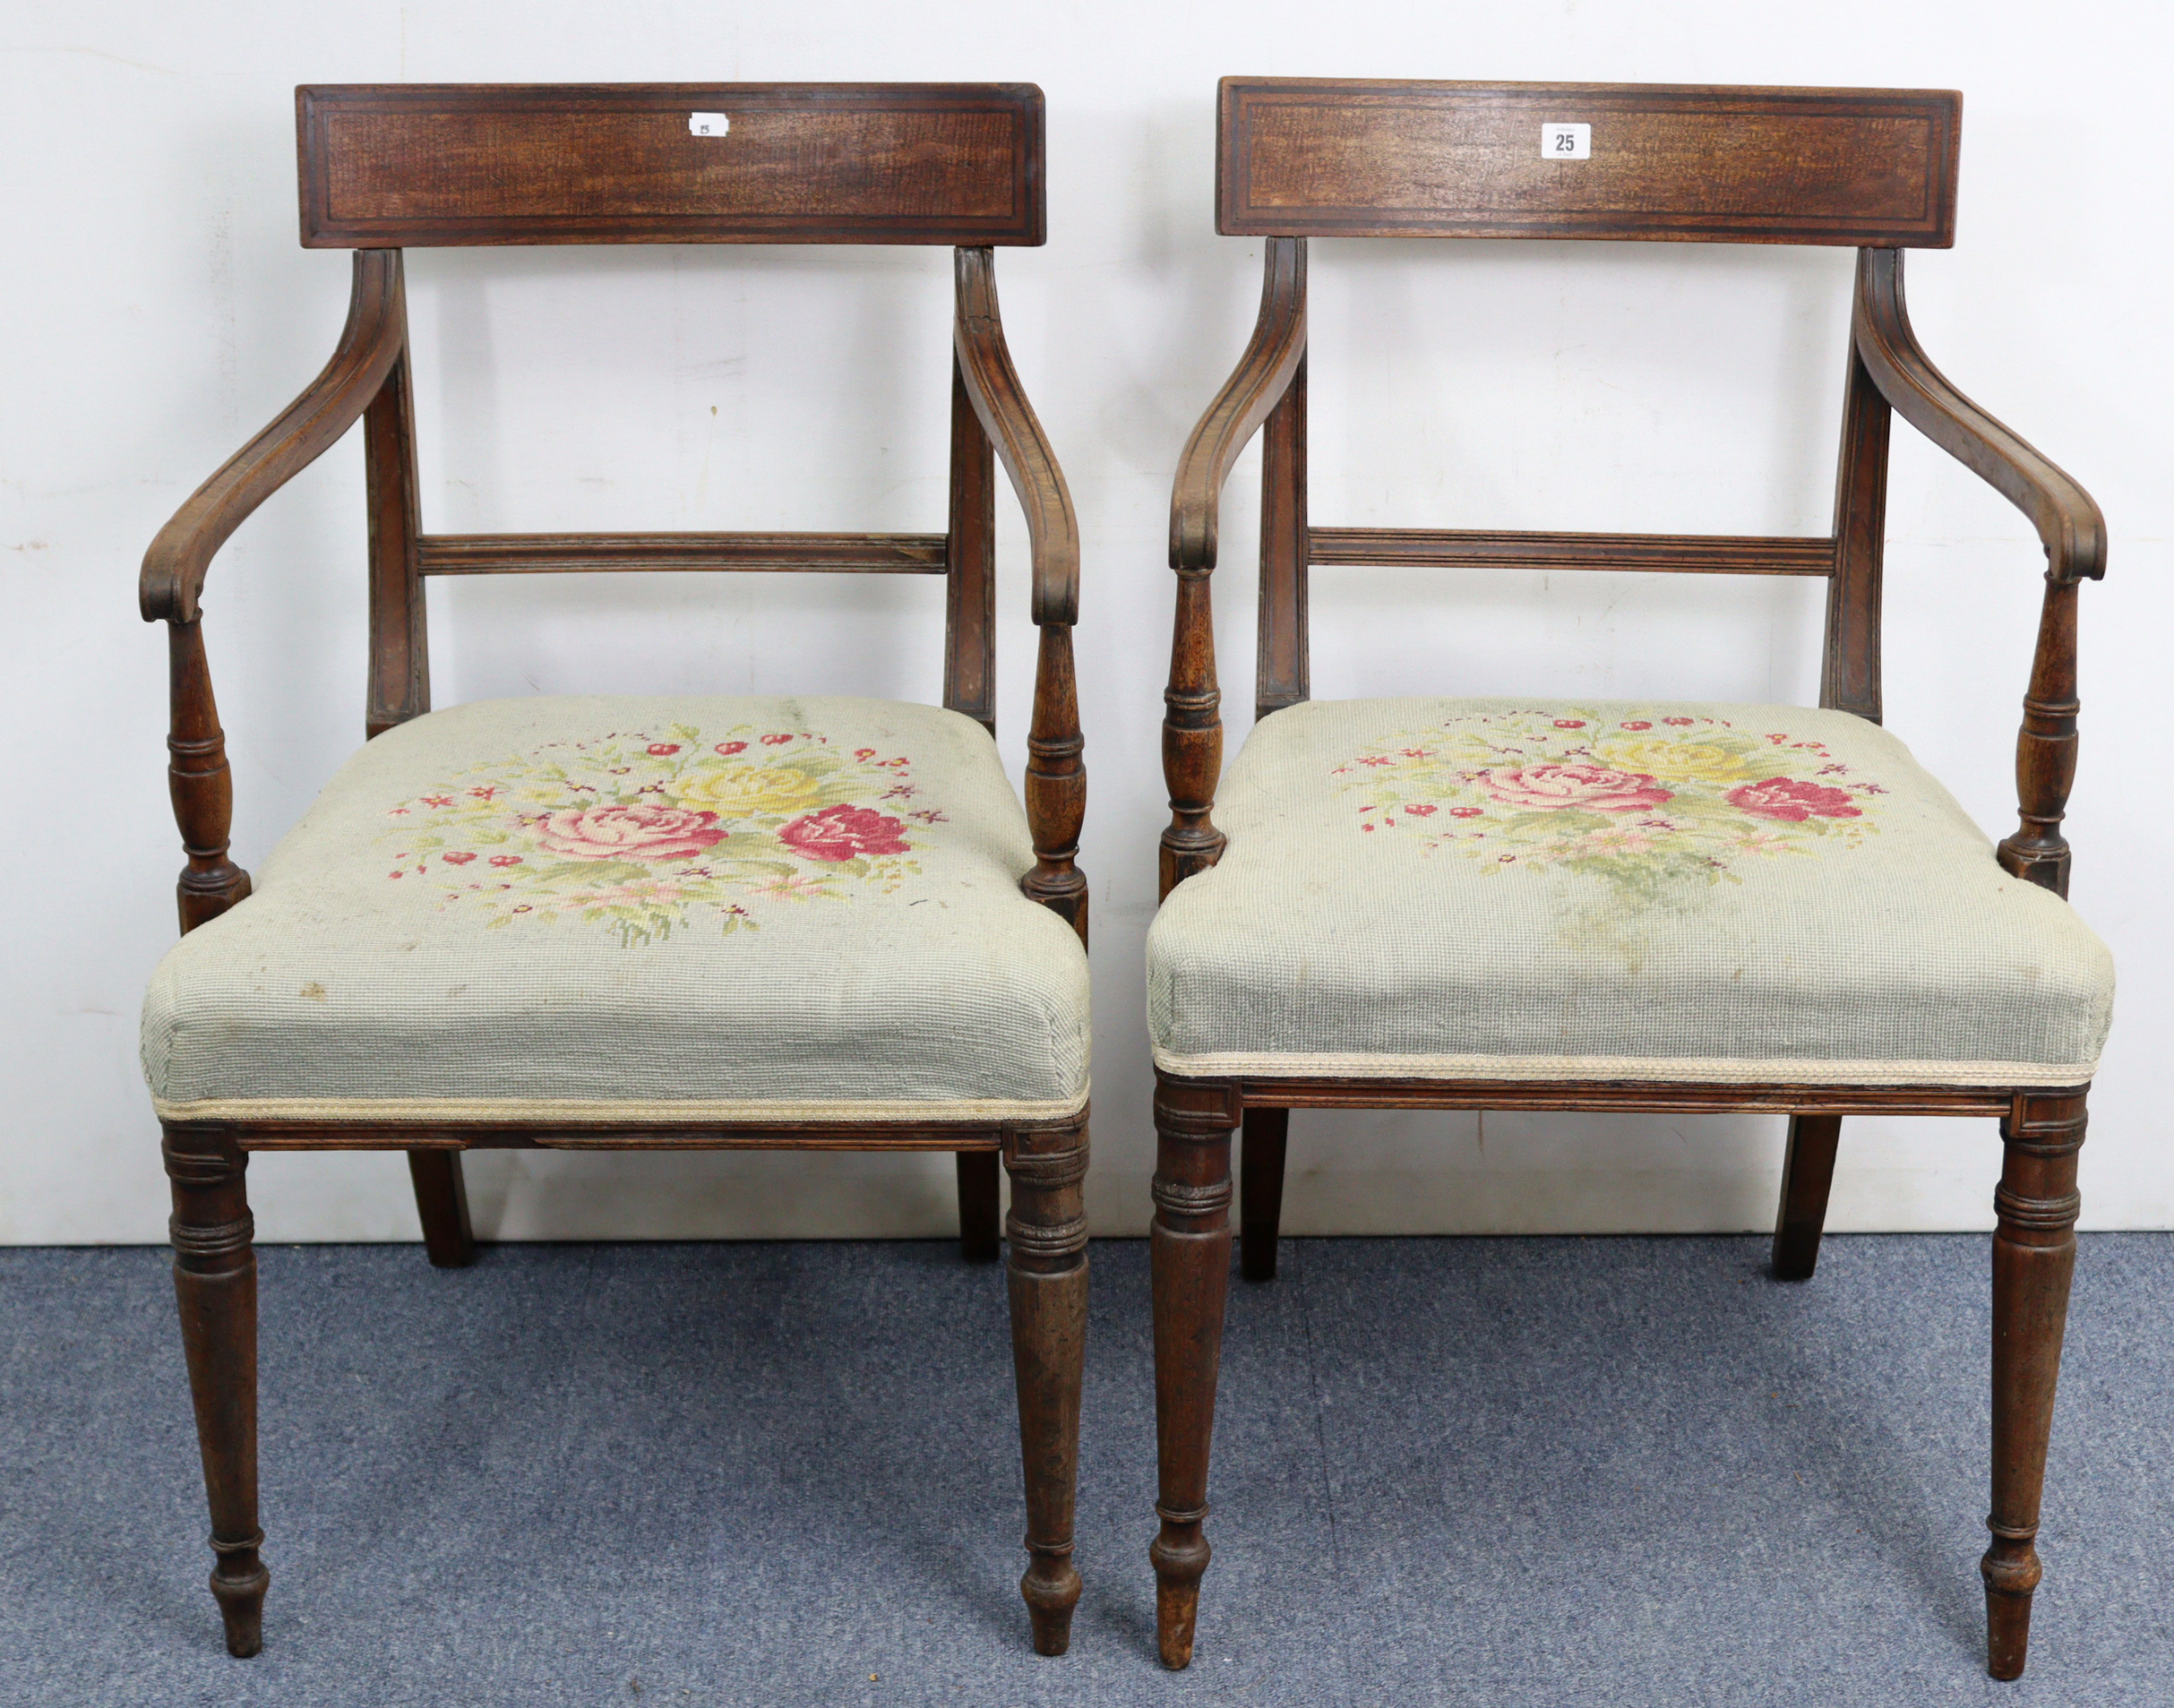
(1528, 890)
(643, 909)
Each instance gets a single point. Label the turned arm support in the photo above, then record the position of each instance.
(1192, 725)
(2068, 525)
(1056, 777)
(174, 571)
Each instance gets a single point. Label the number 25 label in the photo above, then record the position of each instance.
(1566, 141)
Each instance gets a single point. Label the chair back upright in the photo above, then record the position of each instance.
(1316, 158)
(387, 168)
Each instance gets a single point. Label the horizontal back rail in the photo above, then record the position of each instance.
(1681, 554)
(1344, 158)
(433, 164)
(568, 554)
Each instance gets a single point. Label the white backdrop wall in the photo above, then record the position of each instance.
(160, 310)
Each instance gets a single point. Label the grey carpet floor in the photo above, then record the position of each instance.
(1500, 1472)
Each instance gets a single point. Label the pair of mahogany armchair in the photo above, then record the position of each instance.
(650, 922)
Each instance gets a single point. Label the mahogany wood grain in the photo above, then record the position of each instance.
(2033, 1261)
(427, 165)
(980, 1207)
(2069, 525)
(1056, 784)
(1352, 157)
(1676, 554)
(1000, 401)
(1653, 1096)
(201, 782)
(1283, 665)
(1261, 1150)
(215, 1283)
(266, 1133)
(969, 652)
(2067, 520)
(1807, 1174)
(1189, 1260)
(1046, 1272)
(399, 689)
(868, 164)
(1848, 671)
(1874, 168)
(1258, 384)
(1192, 722)
(399, 630)
(588, 553)
(371, 342)
(441, 1197)
(1056, 773)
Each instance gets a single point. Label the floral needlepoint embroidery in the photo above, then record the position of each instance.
(646, 835)
(1779, 798)
(1638, 807)
(844, 833)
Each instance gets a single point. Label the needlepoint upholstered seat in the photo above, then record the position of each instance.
(643, 922)
(684, 909)
(1543, 903)
(1534, 889)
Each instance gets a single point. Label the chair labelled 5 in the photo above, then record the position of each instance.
(643, 922)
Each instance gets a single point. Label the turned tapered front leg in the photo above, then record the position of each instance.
(1189, 1252)
(1808, 1173)
(1048, 1273)
(215, 1279)
(1260, 1190)
(2033, 1258)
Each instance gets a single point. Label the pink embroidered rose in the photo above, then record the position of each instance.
(640, 832)
(1589, 788)
(1638, 723)
(505, 860)
(776, 740)
(1570, 723)
(1466, 813)
(863, 753)
(663, 750)
(1678, 722)
(844, 833)
(1779, 798)
(456, 857)
(1422, 809)
(729, 748)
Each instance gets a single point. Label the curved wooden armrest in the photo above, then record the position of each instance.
(1056, 776)
(1256, 386)
(375, 333)
(2066, 518)
(1000, 401)
(2068, 521)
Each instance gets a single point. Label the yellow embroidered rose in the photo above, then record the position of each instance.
(1682, 761)
(740, 791)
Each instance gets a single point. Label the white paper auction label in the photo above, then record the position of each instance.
(709, 123)
(1566, 141)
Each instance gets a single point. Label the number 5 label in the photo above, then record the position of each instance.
(1566, 141)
